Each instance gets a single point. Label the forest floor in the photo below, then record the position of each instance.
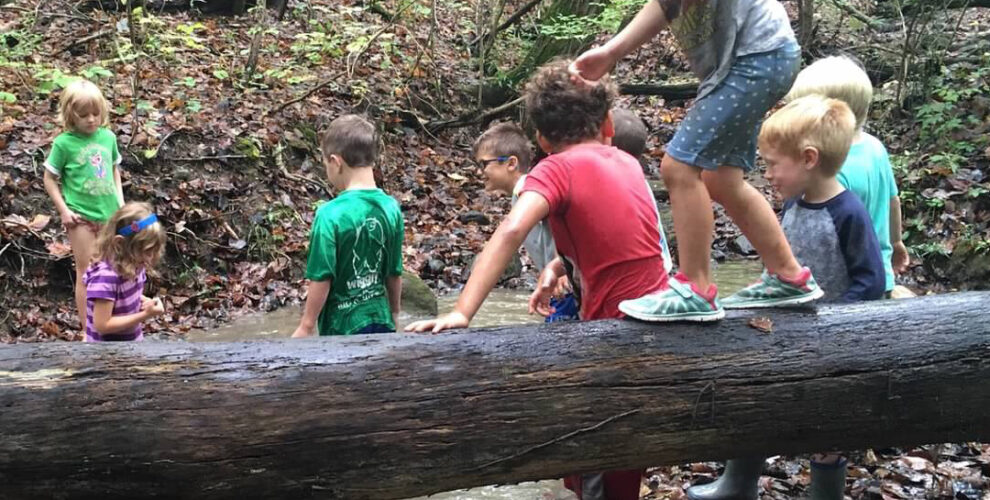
(229, 159)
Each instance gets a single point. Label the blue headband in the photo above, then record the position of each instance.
(138, 225)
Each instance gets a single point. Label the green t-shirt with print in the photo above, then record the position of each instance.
(85, 165)
(356, 243)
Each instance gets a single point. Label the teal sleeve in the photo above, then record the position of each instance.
(395, 248)
(888, 171)
(322, 262)
(56, 159)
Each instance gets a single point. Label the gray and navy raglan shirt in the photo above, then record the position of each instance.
(835, 239)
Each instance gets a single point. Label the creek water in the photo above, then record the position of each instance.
(502, 307)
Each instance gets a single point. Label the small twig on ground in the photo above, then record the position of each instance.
(333, 78)
(230, 231)
(280, 163)
(208, 158)
(473, 117)
(871, 23)
(86, 39)
(515, 17)
(569, 435)
(354, 59)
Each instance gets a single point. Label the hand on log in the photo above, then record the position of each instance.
(445, 322)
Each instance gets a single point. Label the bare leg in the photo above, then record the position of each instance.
(753, 214)
(83, 242)
(694, 221)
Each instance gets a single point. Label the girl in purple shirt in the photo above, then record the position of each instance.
(131, 241)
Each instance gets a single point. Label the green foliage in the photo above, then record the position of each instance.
(94, 73)
(220, 74)
(16, 45)
(929, 249)
(7, 98)
(313, 46)
(248, 146)
(945, 114)
(575, 27)
(49, 79)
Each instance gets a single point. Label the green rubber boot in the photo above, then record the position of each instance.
(739, 481)
(828, 481)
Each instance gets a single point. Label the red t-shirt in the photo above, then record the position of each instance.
(603, 221)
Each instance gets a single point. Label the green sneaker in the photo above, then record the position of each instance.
(771, 291)
(681, 302)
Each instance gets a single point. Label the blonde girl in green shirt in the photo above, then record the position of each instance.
(81, 174)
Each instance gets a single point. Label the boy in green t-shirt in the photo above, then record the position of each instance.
(355, 248)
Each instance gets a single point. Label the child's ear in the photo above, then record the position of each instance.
(512, 163)
(810, 157)
(608, 128)
(543, 143)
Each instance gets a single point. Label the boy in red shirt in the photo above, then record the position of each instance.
(601, 216)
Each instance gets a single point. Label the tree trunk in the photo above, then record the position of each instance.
(806, 23)
(547, 47)
(259, 33)
(394, 416)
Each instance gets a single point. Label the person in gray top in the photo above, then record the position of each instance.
(504, 154)
(746, 57)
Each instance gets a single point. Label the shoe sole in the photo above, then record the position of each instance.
(696, 317)
(771, 303)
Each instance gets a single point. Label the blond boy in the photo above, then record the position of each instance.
(867, 170)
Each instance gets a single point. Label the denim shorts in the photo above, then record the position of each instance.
(721, 128)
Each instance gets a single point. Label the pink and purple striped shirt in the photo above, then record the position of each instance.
(103, 283)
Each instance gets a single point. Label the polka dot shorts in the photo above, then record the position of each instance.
(722, 127)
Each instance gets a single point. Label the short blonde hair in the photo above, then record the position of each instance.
(77, 95)
(828, 125)
(838, 77)
(127, 254)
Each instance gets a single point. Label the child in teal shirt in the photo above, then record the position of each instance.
(355, 249)
(82, 175)
(867, 171)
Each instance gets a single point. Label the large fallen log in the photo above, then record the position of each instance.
(393, 416)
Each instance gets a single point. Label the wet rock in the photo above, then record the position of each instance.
(417, 298)
(513, 270)
(434, 267)
(474, 216)
(743, 245)
(968, 264)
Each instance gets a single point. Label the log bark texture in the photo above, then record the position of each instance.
(393, 416)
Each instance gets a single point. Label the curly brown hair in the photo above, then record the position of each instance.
(565, 109)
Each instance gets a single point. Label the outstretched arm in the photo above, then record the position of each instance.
(530, 209)
(647, 24)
